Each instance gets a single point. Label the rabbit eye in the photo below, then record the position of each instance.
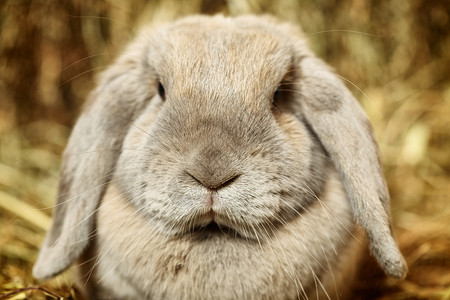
(276, 95)
(161, 91)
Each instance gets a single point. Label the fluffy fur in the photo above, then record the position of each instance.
(223, 184)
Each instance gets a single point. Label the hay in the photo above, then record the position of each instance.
(393, 55)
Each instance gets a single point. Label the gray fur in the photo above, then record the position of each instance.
(216, 148)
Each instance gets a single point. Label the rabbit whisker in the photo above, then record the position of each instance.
(291, 272)
(80, 74)
(317, 280)
(83, 59)
(345, 31)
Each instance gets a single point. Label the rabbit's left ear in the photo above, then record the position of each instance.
(90, 158)
(347, 135)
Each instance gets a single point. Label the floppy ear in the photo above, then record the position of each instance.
(90, 158)
(347, 135)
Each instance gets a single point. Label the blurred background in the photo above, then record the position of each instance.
(393, 55)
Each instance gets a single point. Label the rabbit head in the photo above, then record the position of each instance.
(214, 121)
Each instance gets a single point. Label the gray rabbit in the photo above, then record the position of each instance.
(218, 158)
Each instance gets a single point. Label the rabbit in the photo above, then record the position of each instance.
(219, 158)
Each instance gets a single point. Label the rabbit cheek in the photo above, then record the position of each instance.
(307, 160)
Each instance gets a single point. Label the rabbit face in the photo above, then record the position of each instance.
(219, 169)
(216, 147)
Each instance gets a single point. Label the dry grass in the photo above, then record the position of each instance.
(395, 52)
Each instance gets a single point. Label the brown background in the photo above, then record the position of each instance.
(394, 56)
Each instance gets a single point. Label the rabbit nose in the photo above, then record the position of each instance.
(213, 181)
(212, 169)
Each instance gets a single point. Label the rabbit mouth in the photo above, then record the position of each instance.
(214, 224)
(214, 228)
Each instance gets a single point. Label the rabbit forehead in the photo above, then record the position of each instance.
(245, 55)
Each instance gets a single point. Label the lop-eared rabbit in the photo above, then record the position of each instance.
(218, 158)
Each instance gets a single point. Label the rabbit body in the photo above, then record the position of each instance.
(219, 158)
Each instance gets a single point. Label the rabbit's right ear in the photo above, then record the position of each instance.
(346, 134)
(91, 155)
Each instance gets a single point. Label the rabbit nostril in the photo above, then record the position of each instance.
(193, 177)
(214, 182)
(230, 180)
